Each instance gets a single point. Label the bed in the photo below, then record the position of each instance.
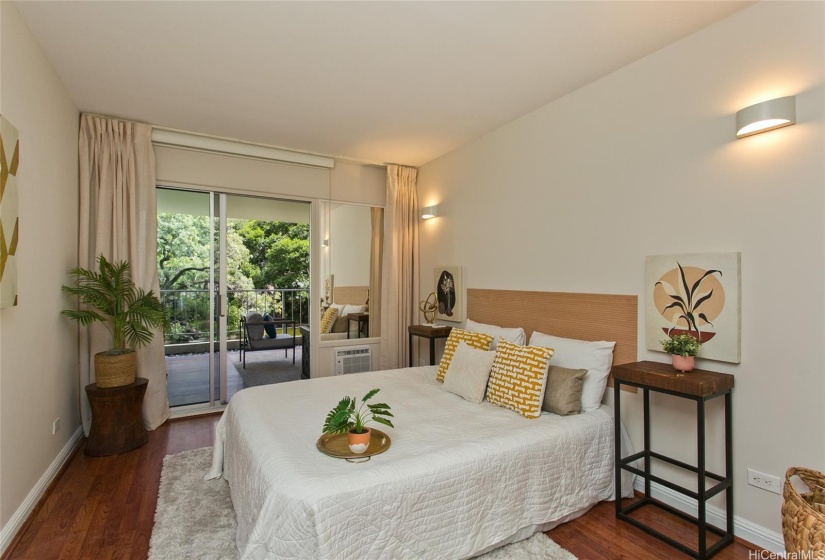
(459, 479)
(348, 299)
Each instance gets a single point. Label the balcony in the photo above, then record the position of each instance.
(187, 343)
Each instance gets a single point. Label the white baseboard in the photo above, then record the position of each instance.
(742, 528)
(14, 524)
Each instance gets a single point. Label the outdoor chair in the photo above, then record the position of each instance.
(258, 335)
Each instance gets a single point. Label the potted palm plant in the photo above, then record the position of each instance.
(345, 418)
(683, 349)
(128, 313)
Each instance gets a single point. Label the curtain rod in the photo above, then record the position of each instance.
(257, 144)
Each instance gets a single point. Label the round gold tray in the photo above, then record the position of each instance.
(335, 445)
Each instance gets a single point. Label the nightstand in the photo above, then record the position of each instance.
(117, 422)
(431, 333)
(363, 320)
(699, 386)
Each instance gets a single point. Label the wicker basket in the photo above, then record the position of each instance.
(115, 370)
(803, 515)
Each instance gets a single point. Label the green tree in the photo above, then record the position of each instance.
(278, 251)
(183, 251)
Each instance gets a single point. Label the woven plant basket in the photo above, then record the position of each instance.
(115, 370)
(803, 515)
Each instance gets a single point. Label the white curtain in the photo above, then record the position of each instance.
(118, 219)
(399, 285)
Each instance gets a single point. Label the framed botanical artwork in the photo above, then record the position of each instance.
(9, 214)
(696, 294)
(449, 291)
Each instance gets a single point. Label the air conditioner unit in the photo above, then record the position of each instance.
(354, 359)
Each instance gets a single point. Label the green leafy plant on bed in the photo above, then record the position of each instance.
(349, 416)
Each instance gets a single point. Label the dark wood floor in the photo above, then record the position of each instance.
(103, 508)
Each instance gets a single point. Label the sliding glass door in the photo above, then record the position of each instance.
(221, 257)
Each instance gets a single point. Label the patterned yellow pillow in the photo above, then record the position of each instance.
(473, 339)
(519, 377)
(328, 319)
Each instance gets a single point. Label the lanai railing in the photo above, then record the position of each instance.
(189, 310)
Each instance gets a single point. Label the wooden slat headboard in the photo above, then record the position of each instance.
(571, 315)
(354, 295)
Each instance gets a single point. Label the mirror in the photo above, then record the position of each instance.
(350, 268)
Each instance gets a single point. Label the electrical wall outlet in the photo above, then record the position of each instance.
(55, 426)
(764, 481)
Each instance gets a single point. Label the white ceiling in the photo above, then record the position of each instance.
(397, 82)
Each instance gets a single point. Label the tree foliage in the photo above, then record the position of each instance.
(258, 253)
(278, 253)
(183, 251)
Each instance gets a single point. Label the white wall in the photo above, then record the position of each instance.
(38, 347)
(350, 239)
(574, 195)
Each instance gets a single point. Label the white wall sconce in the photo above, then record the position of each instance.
(765, 116)
(429, 212)
(325, 242)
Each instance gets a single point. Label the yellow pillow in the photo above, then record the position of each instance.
(473, 339)
(328, 319)
(519, 378)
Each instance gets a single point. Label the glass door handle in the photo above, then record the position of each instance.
(222, 305)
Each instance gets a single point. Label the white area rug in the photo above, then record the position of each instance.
(194, 518)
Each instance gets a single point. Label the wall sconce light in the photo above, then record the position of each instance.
(429, 212)
(765, 116)
(325, 242)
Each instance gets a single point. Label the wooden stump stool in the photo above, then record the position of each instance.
(117, 422)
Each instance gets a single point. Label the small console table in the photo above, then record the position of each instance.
(117, 422)
(431, 333)
(699, 386)
(363, 320)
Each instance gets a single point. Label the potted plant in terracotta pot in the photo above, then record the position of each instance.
(350, 418)
(683, 349)
(129, 314)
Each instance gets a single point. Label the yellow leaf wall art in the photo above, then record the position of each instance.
(9, 215)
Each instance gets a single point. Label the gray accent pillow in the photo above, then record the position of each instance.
(563, 395)
(469, 372)
(254, 332)
(340, 324)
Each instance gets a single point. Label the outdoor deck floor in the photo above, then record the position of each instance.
(187, 378)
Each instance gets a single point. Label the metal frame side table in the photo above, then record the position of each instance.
(699, 386)
(363, 320)
(431, 333)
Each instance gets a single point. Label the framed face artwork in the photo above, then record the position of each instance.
(695, 294)
(449, 290)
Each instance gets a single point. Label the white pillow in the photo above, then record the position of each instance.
(514, 335)
(468, 372)
(348, 308)
(595, 357)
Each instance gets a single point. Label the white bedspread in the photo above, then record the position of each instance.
(458, 478)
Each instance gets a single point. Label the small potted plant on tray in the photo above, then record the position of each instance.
(129, 314)
(345, 418)
(683, 348)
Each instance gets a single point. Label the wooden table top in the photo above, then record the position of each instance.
(438, 331)
(657, 375)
